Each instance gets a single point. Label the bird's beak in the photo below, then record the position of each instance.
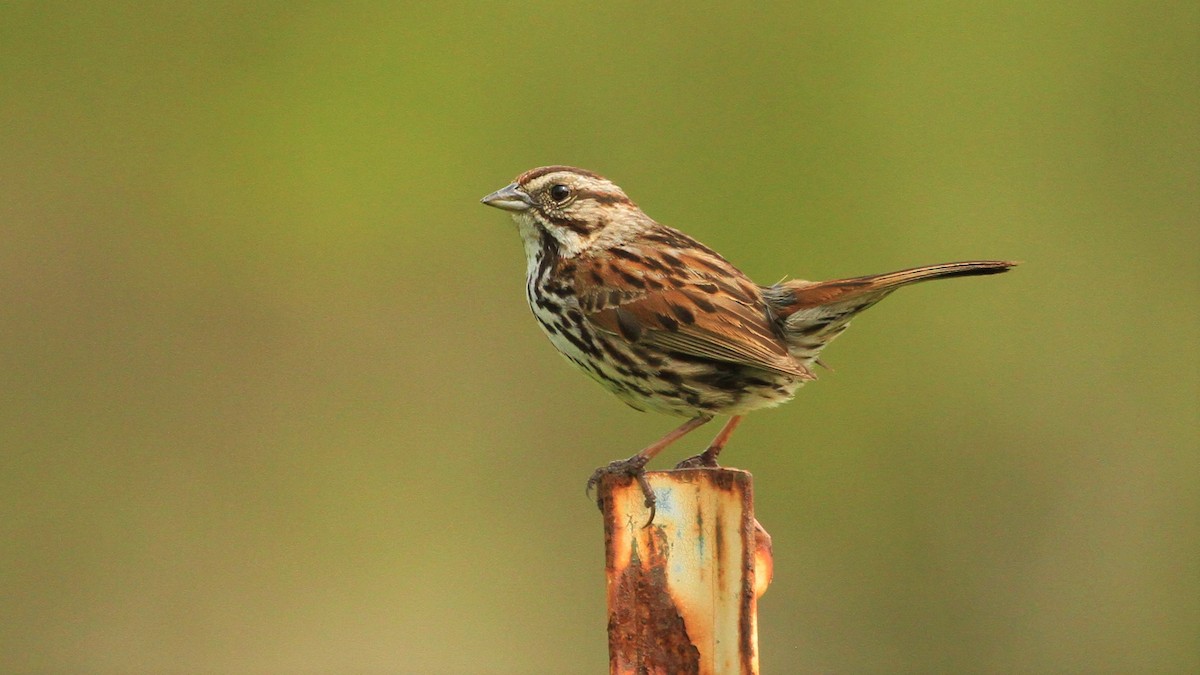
(509, 198)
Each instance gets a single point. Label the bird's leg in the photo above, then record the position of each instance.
(635, 466)
(708, 458)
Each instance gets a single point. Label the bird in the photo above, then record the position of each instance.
(666, 323)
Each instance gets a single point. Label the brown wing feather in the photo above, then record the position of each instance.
(688, 300)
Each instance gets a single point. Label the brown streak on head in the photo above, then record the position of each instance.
(543, 170)
(605, 198)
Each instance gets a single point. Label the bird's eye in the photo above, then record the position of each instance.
(560, 192)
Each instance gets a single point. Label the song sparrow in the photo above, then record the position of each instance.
(666, 323)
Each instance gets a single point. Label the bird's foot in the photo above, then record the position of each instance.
(704, 460)
(635, 468)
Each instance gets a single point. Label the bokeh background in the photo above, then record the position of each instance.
(271, 400)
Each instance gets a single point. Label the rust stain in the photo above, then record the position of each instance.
(646, 631)
(748, 616)
(663, 619)
(719, 543)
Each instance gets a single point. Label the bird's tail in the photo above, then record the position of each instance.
(812, 313)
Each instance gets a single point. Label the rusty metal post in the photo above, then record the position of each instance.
(683, 592)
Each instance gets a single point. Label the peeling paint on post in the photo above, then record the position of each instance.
(682, 593)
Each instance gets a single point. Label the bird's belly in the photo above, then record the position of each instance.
(647, 378)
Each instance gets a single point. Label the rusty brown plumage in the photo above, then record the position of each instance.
(695, 303)
(666, 323)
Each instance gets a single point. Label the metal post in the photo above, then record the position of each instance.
(682, 593)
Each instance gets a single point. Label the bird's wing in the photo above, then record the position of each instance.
(681, 298)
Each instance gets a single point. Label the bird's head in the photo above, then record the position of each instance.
(571, 208)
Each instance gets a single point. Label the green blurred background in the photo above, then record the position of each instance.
(271, 399)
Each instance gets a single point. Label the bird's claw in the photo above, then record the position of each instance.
(635, 468)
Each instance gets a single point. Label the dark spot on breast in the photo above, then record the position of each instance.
(642, 391)
(724, 376)
(583, 342)
(616, 354)
(547, 255)
(552, 307)
(634, 372)
(608, 378)
(670, 376)
(560, 289)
